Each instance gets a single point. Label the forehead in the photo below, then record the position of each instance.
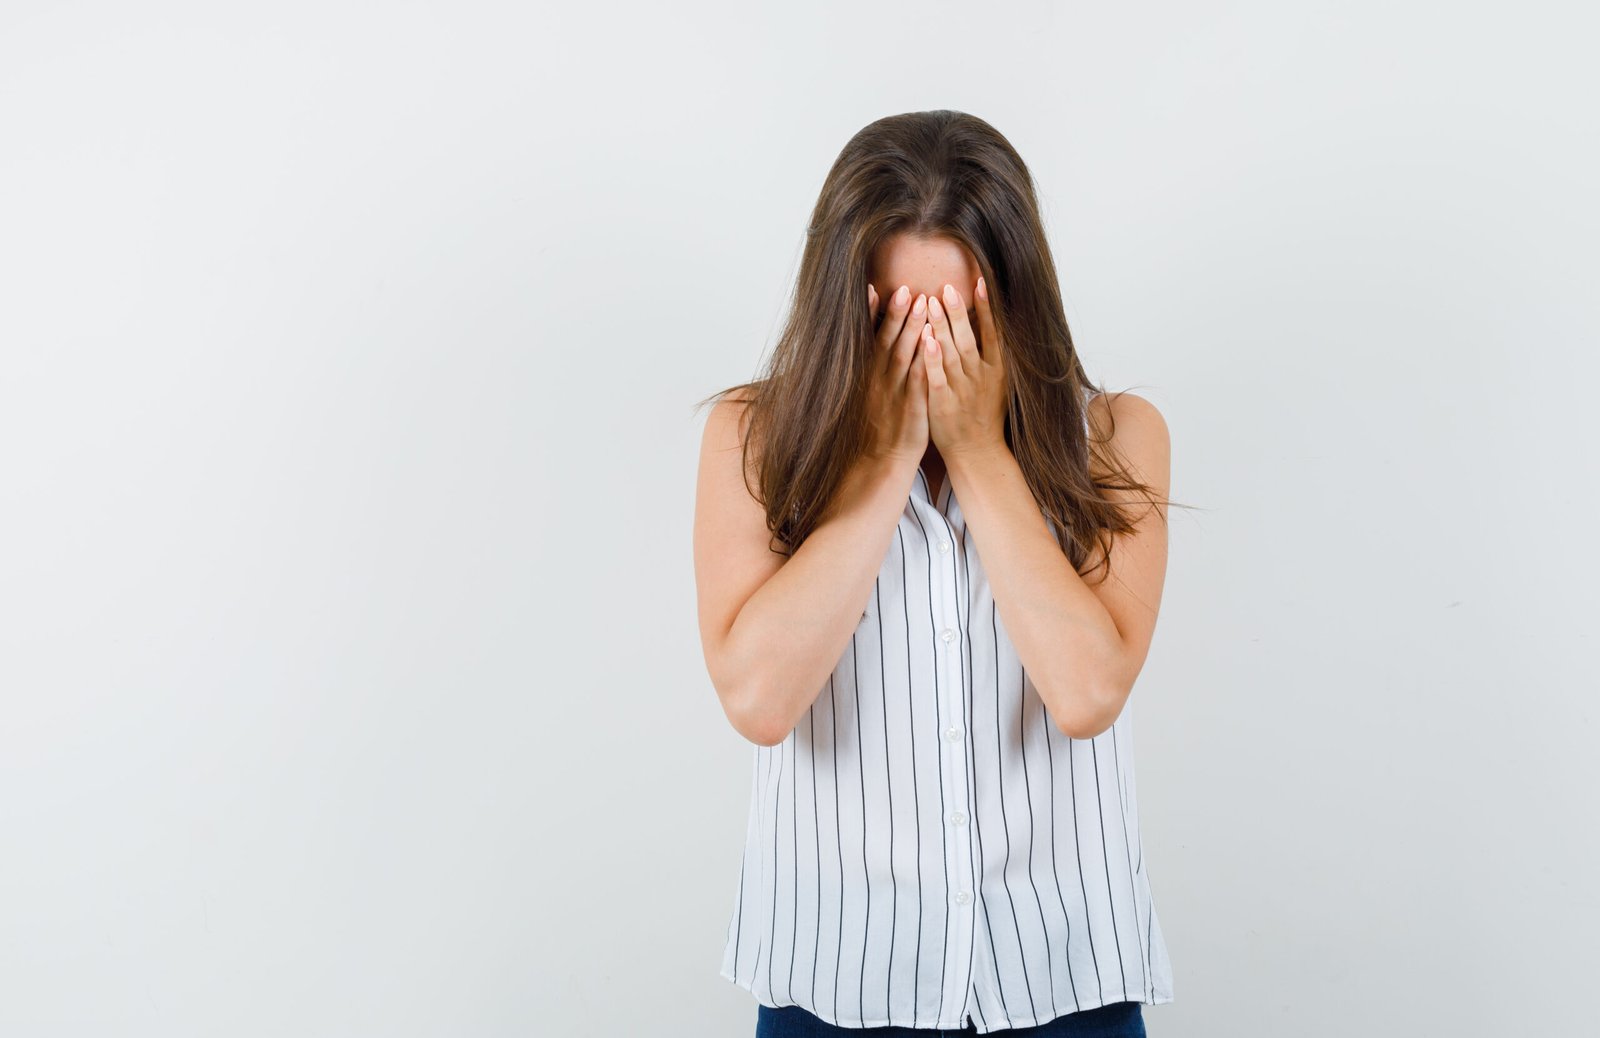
(925, 264)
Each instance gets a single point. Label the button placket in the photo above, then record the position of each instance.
(953, 697)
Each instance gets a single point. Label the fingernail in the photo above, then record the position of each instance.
(900, 296)
(983, 290)
(922, 304)
(950, 296)
(933, 306)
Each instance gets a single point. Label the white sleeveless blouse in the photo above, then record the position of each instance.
(926, 847)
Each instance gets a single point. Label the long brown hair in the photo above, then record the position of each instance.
(938, 174)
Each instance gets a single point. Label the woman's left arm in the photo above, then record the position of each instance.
(1083, 645)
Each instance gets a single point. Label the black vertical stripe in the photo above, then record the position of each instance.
(794, 857)
(1149, 919)
(816, 934)
(761, 936)
(1088, 920)
(777, 789)
(738, 911)
(838, 842)
(744, 861)
(1127, 850)
(866, 878)
(1005, 822)
(1105, 859)
(888, 780)
(1050, 755)
(1027, 790)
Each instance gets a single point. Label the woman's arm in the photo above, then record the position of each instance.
(772, 628)
(1083, 645)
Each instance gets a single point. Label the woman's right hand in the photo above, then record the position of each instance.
(897, 397)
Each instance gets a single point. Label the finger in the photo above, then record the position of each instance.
(966, 340)
(883, 329)
(905, 340)
(989, 335)
(939, 323)
(917, 381)
(895, 309)
(879, 308)
(933, 364)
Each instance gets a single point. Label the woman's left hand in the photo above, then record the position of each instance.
(967, 390)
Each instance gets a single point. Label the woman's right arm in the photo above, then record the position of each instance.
(773, 628)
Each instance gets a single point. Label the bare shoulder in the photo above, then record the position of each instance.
(723, 457)
(1130, 432)
(725, 423)
(1126, 414)
(731, 538)
(1136, 435)
(725, 505)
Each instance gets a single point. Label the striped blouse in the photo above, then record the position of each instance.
(926, 847)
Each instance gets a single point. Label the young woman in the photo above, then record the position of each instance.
(928, 561)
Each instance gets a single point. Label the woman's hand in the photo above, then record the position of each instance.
(897, 399)
(968, 392)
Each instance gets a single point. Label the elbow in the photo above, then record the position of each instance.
(747, 699)
(767, 736)
(763, 731)
(1077, 728)
(750, 712)
(1092, 712)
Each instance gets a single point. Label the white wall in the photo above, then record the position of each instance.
(348, 662)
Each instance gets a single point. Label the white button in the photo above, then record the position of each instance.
(948, 635)
(962, 897)
(953, 733)
(959, 818)
(944, 546)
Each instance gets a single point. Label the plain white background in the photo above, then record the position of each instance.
(351, 679)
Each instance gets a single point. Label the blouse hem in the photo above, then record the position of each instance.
(1159, 998)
